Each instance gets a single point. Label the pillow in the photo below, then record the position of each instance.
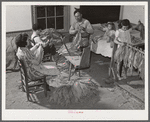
(96, 26)
(116, 25)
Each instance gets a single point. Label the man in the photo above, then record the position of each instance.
(82, 26)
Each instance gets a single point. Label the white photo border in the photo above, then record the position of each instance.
(54, 114)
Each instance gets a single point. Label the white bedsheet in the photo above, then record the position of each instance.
(102, 47)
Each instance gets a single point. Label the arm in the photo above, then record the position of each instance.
(105, 29)
(38, 40)
(35, 47)
(116, 38)
(72, 30)
(89, 28)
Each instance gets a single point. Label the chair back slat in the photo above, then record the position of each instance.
(23, 69)
(85, 58)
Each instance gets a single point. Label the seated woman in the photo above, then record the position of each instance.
(48, 47)
(33, 58)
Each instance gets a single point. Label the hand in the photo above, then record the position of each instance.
(124, 43)
(76, 31)
(82, 28)
(97, 37)
(37, 45)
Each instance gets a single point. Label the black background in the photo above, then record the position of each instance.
(100, 14)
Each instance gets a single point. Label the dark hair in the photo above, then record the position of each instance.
(36, 27)
(24, 36)
(112, 24)
(77, 10)
(124, 22)
(21, 40)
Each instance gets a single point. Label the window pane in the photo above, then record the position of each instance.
(51, 23)
(50, 11)
(42, 23)
(40, 11)
(59, 10)
(59, 23)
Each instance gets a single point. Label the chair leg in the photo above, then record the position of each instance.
(79, 73)
(22, 84)
(27, 92)
(69, 71)
(45, 87)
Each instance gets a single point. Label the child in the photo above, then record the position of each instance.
(109, 33)
(100, 45)
(122, 37)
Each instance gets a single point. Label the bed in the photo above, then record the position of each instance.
(103, 47)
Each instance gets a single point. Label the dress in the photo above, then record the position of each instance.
(119, 56)
(102, 46)
(35, 68)
(123, 36)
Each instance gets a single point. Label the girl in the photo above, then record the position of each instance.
(109, 32)
(100, 44)
(48, 47)
(122, 37)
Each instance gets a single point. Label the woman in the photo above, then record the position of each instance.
(48, 47)
(33, 58)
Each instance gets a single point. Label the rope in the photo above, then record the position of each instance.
(136, 49)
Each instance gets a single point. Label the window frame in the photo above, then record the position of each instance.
(66, 17)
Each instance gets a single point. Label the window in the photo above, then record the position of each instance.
(51, 16)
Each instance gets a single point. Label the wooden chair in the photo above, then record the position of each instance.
(47, 57)
(79, 62)
(25, 81)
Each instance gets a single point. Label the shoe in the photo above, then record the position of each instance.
(109, 80)
(119, 78)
